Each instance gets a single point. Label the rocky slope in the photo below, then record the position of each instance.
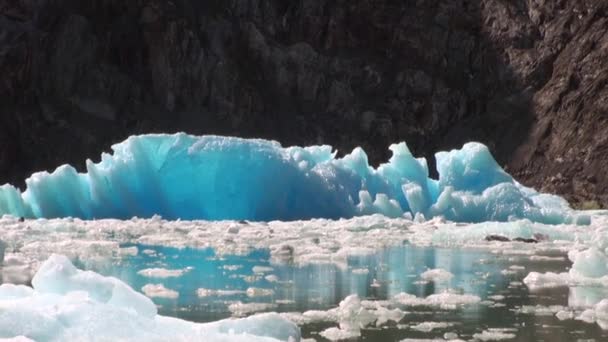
(526, 77)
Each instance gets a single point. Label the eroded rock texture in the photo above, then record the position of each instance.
(526, 77)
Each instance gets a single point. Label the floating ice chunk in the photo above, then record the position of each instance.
(214, 178)
(267, 324)
(430, 326)
(259, 292)
(598, 313)
(443, 300)
(208, 292)
(159, 291)
(564, 315)
(431, 340)
(10, 291)
(536, 280)
(351, 315)
(16, 339)
(540, 310)
(589, 263)
(590, 268)
(58, 275)
(67, 304)
(337, 334)
(495, 334)
(262, 269)
(242, 309)
(437, 275)
(361, 271)
(161, 273)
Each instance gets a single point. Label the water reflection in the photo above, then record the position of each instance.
(377, 276)
(315, 286)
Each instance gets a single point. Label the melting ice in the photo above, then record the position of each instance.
(215, 178)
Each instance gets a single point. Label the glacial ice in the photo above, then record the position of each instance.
(589, 268)
(212, 177)
(67, 304)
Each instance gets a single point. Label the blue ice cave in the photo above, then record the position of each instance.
(215, 178)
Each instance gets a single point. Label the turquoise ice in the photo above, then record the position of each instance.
(182, 176)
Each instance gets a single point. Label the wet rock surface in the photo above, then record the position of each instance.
(527, 78)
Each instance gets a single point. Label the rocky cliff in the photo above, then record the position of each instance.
(526, 77)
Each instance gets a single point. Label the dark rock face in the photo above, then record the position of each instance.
(526, 77)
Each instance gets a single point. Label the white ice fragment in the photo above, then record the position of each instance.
(132, 251)
(259, 292)
(437, 275)
(564, 315)
(337, 334)
(58, 275)
(242, 309)
(589, 263)
(443, 300)
(272, 278)
(430, 326)
(159, 291)
(262, 269)
(67, 304)
(209, 292)
(360, 271)
(494, 335)
(16, 339)
(161, 273)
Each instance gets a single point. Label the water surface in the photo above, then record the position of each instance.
(375, 277)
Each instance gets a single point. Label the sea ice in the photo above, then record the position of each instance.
(430, 326)
(436, 275)
(161, 273)
(494, 335)
(159, 291)
(67, 304)
(214, 178)
(589, 268)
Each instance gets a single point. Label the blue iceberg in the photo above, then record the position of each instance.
(182, 176)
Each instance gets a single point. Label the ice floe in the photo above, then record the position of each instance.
(67, 304)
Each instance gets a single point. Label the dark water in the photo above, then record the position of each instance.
(391, 271)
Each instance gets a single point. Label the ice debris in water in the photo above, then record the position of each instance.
(67, 304)
(213, 177)
(352, 315)
(437, 275)
(589, 268)
(159, 291)
(495, 334)
(161, 273)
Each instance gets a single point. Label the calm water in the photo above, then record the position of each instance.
(389, 272)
